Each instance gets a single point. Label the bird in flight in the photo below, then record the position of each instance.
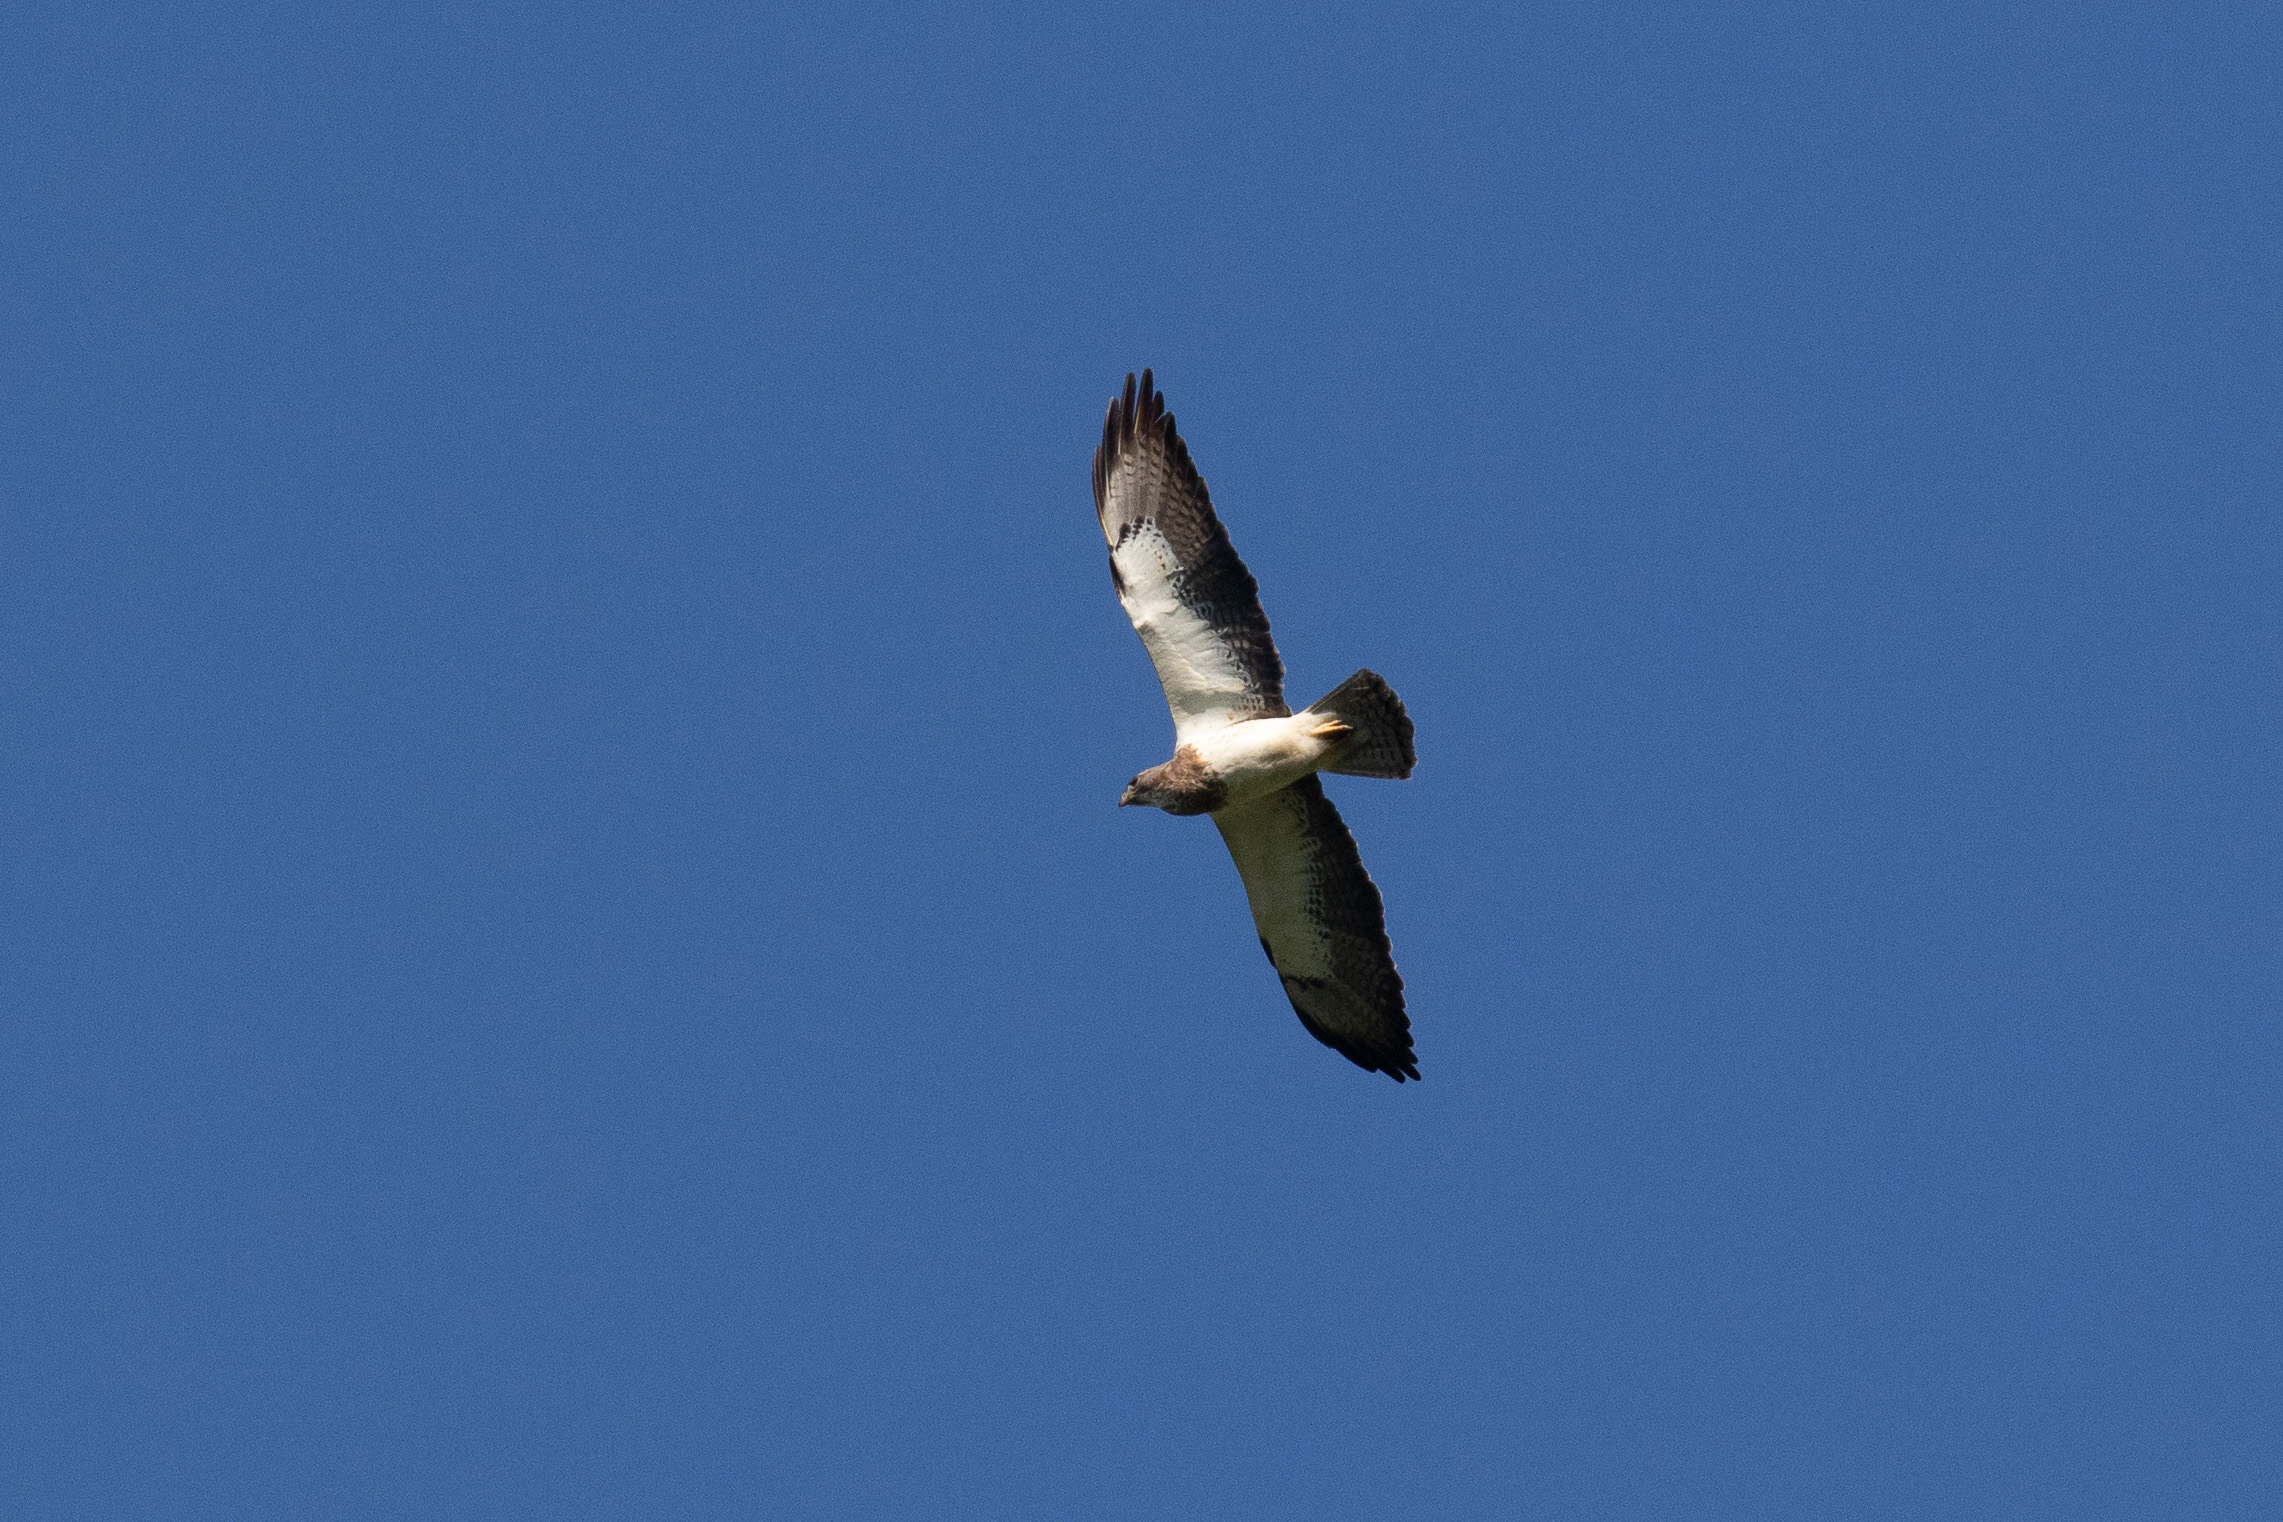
(1241, 755)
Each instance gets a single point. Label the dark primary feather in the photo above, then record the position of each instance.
(1320, 921)
(1143, 477)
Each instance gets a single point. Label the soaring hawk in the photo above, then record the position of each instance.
(1241, 755)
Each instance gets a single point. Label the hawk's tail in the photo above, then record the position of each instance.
(1382, 743)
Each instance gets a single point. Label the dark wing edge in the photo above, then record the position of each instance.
(1143, 477)
(1322, 924)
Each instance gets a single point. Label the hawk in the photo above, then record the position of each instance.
(1242, 756)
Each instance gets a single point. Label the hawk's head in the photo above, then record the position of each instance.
(1184, 785)
(1148, 789)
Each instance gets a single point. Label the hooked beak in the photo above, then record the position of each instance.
(1128, 798)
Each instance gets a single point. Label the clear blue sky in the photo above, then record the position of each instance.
(569, 947)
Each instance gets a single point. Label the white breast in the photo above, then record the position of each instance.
(1259, 756)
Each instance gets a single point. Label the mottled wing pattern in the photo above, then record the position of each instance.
(1320, 922)
(1191, 599)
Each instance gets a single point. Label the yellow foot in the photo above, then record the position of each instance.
(1333, 730)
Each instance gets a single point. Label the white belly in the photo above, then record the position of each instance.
(1259, 756)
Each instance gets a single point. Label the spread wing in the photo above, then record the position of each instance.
(1320, 923)
(1190, 597)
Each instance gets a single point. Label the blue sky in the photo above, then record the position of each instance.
(570, 949)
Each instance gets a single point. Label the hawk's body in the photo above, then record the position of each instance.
(1241, 754)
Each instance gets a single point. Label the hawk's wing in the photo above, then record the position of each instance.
(1320, 923)
(1190, 597)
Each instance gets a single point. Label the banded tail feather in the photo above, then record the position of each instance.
(1382, 743)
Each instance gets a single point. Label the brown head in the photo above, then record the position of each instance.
(1184, 785)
